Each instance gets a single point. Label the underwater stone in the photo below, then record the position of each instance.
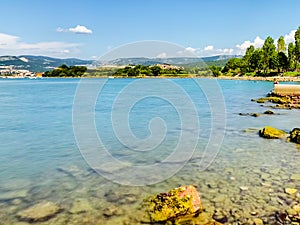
(39, 212)
(13, 195)
(295, 176)
(258, 221)
(269, 112)
(80, 206)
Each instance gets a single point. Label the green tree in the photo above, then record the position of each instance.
(297, 47)
(246, 58)
(256, 61)
(216, 70)
(283, 61)
(269, 55)
(156, 70)
(281, 44)
(233, 64)
(291, 56)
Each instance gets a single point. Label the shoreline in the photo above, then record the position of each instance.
(271, 79)
(278, 78)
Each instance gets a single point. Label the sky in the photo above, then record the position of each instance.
(90, 29)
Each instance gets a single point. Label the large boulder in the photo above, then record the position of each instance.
(176, 203)
(39, 212)
(272, 133)
(295, 135)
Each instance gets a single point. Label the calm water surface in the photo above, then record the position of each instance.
(40, 160)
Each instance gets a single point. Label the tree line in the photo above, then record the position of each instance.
(267, 60)
(141, 70)
(66, 71)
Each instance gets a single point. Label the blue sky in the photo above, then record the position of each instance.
(90, 28)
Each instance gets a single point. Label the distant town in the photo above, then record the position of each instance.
(11, 72)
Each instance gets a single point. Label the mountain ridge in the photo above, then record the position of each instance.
(43, 63)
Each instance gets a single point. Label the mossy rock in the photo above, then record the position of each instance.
(275, 100)
(272, 133)
(176, 203)
(295, 135)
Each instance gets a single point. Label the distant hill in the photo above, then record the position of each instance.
(39, 63)
(174, 61)
(44, 63)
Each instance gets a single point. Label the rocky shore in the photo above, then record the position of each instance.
(271, 79)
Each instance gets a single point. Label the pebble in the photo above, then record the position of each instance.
(258, 221)
(244, 188)
(297, 208)
(290, 191)
(220, 216)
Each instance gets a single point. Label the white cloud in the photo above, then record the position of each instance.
(6, 39)
(288, 38)
(60, 30)
(257, 43)
(79, 29)
(209, 48)
(190, 50)
(162, 55)
(12, 45)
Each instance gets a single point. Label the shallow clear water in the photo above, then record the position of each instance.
(40, 159)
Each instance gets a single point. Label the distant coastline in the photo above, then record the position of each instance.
(249, 78)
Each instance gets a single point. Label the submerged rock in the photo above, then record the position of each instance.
(16, 194)
(39, 212)
(295, 135)
(112, 210)
(272, 133)
(295, 176)
(80, 206)
(269, 112)
(182, 201)
(250, 114)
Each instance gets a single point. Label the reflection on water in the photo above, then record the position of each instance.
(39, 159)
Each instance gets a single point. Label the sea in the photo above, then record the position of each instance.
(97, 148)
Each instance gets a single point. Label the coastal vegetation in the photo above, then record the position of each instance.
(268, 60)
(66, 71)
(142, 71)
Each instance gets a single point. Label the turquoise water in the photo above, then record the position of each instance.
(40, 159)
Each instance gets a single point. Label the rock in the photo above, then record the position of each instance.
(295, 176)
(290, 191)
(112, 210)
(250, 114)
(297, 208)
(80, 206)
(269, 112)
(72, 171)
(176, 203)
(295, 135)
(120, 197)
(258, 221)
(9, 195)
(220, 216)
(39, 212)
(271, 133)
